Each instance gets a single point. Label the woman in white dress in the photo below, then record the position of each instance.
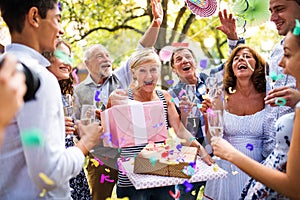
(244, 85)
(278, 177)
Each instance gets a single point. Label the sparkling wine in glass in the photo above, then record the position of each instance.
(215, 124)
(190, 91)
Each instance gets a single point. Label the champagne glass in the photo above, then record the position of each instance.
(211, 87)
(87, 114)
(268, 75)
(68, 109)
(190, 91)
(215, 124)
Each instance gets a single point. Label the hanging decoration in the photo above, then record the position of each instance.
(202, 8)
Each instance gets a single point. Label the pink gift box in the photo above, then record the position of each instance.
(134, 124)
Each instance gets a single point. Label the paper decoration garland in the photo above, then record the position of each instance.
(254, 12)
(202, 8)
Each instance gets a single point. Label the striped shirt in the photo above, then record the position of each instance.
(127, 152)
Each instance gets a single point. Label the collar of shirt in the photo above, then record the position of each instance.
(19, 49)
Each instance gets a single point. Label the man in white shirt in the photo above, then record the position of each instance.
(42, 170)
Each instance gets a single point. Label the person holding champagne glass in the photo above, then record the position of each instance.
(61, 68)
(244, 92)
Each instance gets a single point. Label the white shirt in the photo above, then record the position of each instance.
(21, 164)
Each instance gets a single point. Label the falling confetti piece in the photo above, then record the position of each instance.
(233, 172)
(215, 167)
(170, 82)
(45, 178)
(94, 162)
(205, 96)
(203, 63)
(31, 137)
(153, 161)
(176, 195)
(97, 94)
(199, 105)
(280, 101)
(193, 192)
(249, 146)
(178, 147)
(188, 186)
(107, 170)
(172, 100)
(231, 91)
(182, 91)
(43, 193)
(113, 198)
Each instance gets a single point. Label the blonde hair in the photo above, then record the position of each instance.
(143, 55)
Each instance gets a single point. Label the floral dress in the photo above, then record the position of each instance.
(276, 160)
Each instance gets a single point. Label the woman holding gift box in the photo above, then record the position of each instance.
(145, 68)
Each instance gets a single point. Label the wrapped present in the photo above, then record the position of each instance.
(203, 172)
(134, 124)
(157, 159)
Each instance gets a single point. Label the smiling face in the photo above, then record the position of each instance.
(99, 63)
(184, 65)
(291, 58)
(146, 75)
(50, 29)
(283, 14)
(59, 67)
(243, 63)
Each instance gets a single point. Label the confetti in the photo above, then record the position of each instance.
(199, 105)
(249, 66)
(231, 91)
(280, 101)
(45, 178)
(94, 162)
(188, 186)
(249, 146)
(97, 94)
(178, 147)
(176, 195)
(170, 82)
(74, 74)
(215, 167)
(107, 170)
(233, 172)
(43, 193)
(31, 137)
(153, 161)
(172, 100)
(113, 198)
(205, 96)
(193, 192)
(182, 92)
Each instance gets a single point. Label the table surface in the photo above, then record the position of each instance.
(203, 172)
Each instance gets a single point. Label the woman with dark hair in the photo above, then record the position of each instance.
(244, 84)
(61, 68)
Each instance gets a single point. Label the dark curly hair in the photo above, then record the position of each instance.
(258, 77)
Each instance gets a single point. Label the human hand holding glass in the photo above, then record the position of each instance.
(215, 124)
